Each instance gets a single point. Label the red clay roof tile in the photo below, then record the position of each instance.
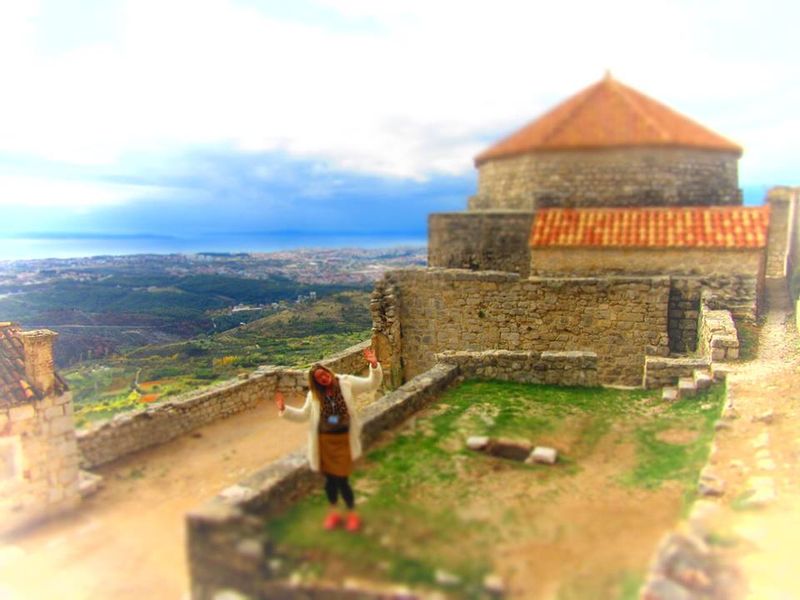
(604, 115)
(664, 227)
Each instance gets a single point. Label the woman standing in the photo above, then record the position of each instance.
(334, 437)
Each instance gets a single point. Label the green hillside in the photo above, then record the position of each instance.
(297, 335)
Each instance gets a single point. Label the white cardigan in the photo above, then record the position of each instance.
(350, 385)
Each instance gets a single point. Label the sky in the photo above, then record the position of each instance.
(195, 117)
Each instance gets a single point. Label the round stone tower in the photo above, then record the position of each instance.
(608, 145)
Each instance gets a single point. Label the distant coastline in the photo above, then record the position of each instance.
(80, 245)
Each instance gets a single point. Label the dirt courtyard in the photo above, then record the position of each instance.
(128, 540)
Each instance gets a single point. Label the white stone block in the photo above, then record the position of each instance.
(477, 442)
(21, 413)
(543, 455)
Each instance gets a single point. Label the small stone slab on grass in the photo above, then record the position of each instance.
(543, 455)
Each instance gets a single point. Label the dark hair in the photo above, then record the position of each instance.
(318, 391)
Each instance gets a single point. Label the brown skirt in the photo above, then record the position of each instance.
(334, 454)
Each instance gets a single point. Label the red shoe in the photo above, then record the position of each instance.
(353, 522)
(332, 521)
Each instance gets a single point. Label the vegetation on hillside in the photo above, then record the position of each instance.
(296, 335)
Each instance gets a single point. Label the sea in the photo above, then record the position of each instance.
(77, 246)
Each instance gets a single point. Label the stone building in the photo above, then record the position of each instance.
(608, 145)
(602, 226)
(39, 474)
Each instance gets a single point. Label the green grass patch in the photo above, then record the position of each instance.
(660, 460)
(412, 488)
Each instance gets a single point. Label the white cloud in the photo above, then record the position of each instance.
(410, 97)
(44, 192)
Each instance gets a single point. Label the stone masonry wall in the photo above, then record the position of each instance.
(38, 461)
(780, 203)
(717, 338)
(591, 262)
(160, 423)
(484, 241)
(608, 177)
(620, 319)
(550, 368)
(738, 294)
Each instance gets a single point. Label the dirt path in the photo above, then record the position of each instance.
(127, 541)
(758, 457)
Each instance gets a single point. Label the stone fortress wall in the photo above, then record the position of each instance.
(438, 310)
(132, 431)
(608, 177)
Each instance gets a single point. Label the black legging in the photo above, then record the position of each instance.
(333, 485)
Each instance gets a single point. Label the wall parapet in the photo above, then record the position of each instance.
(570, 368)
(159, 423)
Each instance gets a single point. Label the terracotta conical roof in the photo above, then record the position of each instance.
(608, 114)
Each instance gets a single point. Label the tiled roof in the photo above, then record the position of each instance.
(607, 114)
(14, 385)
(676, 227)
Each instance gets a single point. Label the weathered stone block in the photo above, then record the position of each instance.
(21, 413)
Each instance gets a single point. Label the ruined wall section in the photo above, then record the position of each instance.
(738, 294)
(483, 241)
(620, 319)
(608, 177)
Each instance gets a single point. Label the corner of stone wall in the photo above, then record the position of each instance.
(39, 472)
(384, 305)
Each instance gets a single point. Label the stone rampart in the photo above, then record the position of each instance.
(481, 241)
(620, 319)
(551, 368)
(608, 177)
(160, 423)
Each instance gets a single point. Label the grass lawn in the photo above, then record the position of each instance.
(583, 528)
